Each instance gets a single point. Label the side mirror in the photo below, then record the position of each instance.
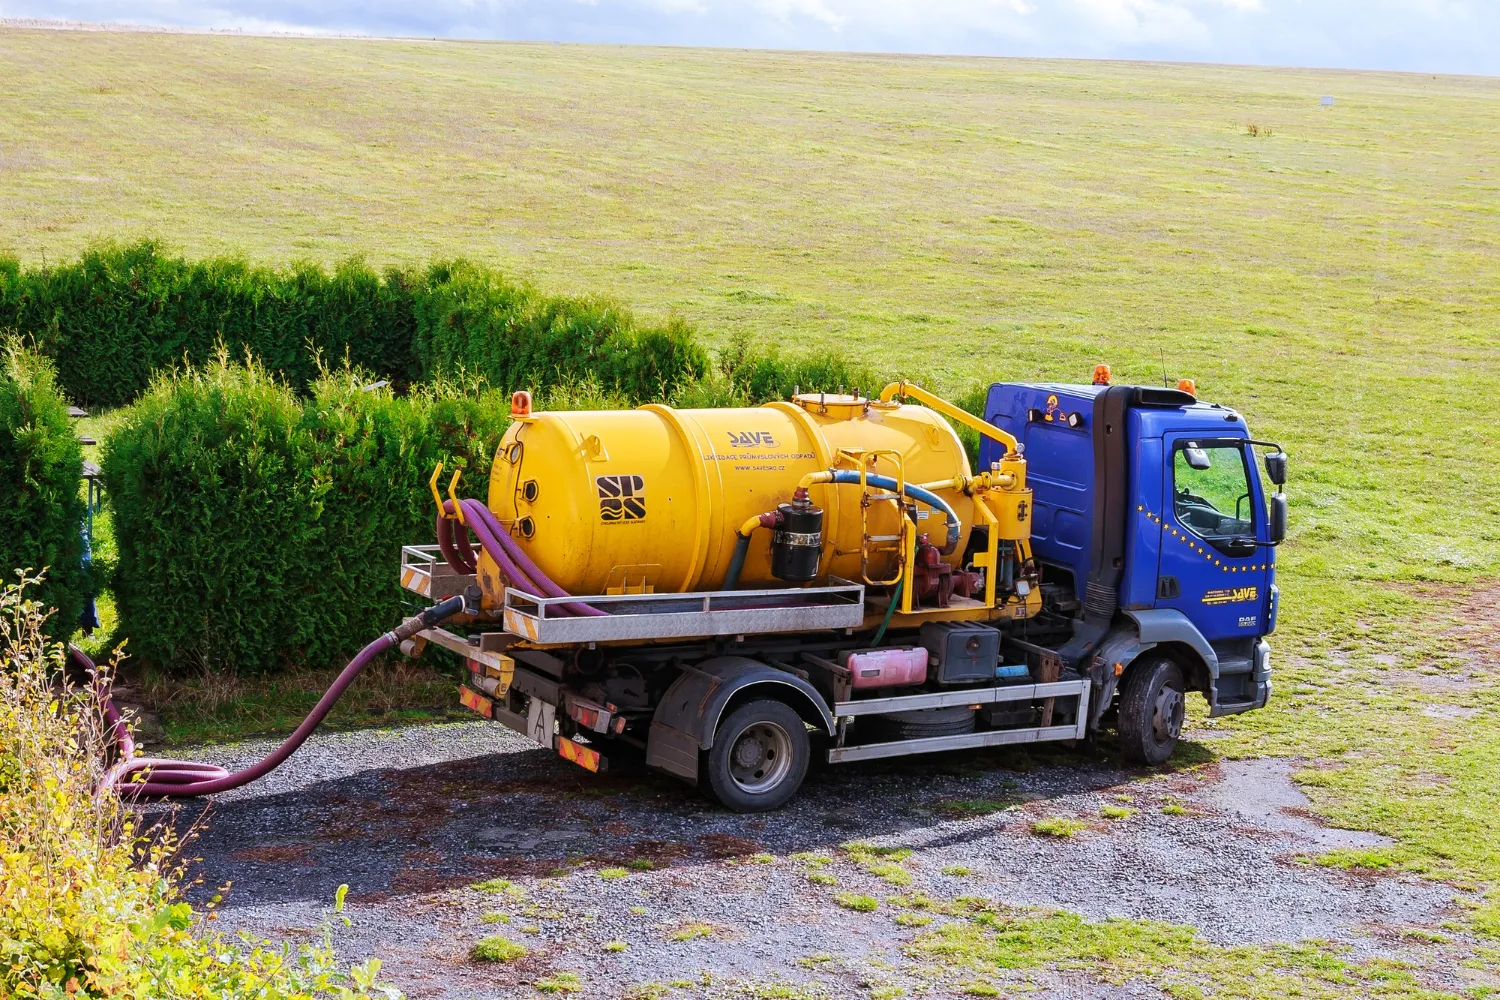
(1278, 518)
(1196, 457)
(1276, 467)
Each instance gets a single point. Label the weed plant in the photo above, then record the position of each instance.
(90, 900)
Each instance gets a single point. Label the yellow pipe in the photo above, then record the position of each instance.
(983, 481)
(947, 409)
(811, 479)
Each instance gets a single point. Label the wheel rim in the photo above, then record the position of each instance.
(760, 757)
(1167, 714)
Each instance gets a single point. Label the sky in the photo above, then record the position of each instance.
(1431, 36)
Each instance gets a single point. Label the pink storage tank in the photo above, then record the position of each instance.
(878, 668)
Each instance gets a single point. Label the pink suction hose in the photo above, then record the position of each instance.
(515, 565)
(156, 777)
(159, 777)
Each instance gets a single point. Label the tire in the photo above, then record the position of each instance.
(923, 723)
(759, 757)
(1152, 706)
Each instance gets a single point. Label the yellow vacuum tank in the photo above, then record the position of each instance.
(650, 499)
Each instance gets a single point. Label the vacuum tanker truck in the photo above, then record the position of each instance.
(734, 592)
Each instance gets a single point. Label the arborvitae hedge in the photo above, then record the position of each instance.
(120, 314)
(475, 321)
(759, 373)
(256, 529)
(40, 505)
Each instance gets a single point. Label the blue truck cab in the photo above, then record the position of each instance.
(1153, 528)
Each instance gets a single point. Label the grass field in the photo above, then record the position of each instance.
(1336, 277)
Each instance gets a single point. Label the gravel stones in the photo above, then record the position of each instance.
(409, 818)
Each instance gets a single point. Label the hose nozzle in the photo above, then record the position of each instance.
(427, 618)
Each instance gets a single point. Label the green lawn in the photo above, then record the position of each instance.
(956, 220)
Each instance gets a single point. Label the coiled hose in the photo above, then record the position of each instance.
(515, 565)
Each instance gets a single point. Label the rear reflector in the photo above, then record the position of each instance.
(578, 754)
(475, 702)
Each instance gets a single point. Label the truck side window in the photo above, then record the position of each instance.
(1214, 502)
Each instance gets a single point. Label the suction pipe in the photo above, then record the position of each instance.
(151, 776)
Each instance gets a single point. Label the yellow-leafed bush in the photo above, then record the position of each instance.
(89, 902)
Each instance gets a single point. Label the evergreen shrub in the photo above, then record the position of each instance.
(256, 529)
(761, 373)
(41, 508)
(475, 322)
(119, 314)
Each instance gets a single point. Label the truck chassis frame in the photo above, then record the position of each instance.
(832, 611)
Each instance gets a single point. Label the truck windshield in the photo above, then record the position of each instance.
(1214, 502)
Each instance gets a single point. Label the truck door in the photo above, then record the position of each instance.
(1211, 567)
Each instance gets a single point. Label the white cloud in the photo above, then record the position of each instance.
(1426, 35)
(817, 10)
(1147, 22)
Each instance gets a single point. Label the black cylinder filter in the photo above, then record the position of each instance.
(797, 546)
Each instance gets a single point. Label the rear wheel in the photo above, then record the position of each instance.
(759, 757)
(1152, 706)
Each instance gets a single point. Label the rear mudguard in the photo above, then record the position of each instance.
(689, 713)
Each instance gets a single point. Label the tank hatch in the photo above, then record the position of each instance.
(838, 405)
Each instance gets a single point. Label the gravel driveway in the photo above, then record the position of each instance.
(713, 901)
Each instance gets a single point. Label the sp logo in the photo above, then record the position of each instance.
(621, 498)
(751, 439)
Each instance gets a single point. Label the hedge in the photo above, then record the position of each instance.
(120, 314)
(475, 322)
(256, 529)
(40, 505)
(760, 373)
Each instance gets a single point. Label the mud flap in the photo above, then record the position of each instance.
(673, 751)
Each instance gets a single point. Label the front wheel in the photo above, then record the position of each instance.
(1152, 706)
(759, 757)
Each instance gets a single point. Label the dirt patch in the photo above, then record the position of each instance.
(724, 845)
(1475, 631)
(276, 854)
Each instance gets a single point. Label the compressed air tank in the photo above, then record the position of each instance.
(649, 500)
